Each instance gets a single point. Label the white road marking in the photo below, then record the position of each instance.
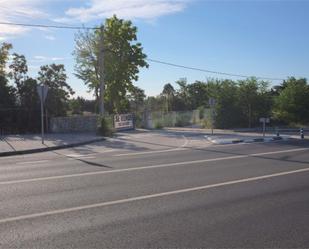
(81, 158)
(86, 155)
(156, 151)
(149, 152)
(33, 162)
(48, 178)
(151, 196)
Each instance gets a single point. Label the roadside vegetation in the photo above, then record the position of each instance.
(239, 103)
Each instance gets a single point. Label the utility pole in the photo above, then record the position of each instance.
(101, 71)
(42, 115)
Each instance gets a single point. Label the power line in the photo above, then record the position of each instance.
(210, 71)
(47, 26)
(151, 60)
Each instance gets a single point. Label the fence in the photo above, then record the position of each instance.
(73, 124)
(153, 120)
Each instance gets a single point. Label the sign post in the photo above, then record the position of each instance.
(264, 121)
(42, 92)
(212, 103)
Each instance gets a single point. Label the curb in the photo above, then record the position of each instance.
(58, 147)
(237, 141)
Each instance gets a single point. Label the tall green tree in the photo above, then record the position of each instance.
(4, 56)
(137, 97)
(30, 103)
(7, 93)
(168, 93)
(7, 103)
(228, 110)
(254, 102)
(292, 103)
(54, 76)
(123, 57)
(18, 70)
(198, 94)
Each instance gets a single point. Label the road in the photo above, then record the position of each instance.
(157, 190)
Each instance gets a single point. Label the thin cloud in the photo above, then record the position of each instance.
(133, 9)
(15, 10)
(50, 37)
(41, 58)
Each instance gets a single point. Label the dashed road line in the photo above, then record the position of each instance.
(150, 196)
(33, 162)
(95, 173)
(182, 147)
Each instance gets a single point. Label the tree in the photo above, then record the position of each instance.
(198, 94)
(7, 103)
(136, 97)
(168, 93)
(292, 103)
(54, 77)
(19, 70)
(30, 103)
(75, 106)
(123, 56)
(4, 56)
(7, 98)
(228, 111)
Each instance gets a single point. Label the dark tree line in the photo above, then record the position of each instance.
(239, 103)
(19, 101)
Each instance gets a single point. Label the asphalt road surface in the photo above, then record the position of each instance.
(157, 190)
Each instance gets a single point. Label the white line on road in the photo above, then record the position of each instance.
(149, 152)
(33, 162)
(151, 196)
(81, 158)
(156, 151)
(93, 173)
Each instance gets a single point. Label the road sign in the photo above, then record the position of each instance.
(42, 92)
(212, 102)
(266, 120)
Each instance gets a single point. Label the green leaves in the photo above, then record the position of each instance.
(4, 56)
(54, 77)
(123, 57)
(292, 103)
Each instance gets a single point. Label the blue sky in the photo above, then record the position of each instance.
(261, 38)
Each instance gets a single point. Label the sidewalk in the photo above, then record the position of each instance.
(24, 144)
(232, 137)
(237, 138)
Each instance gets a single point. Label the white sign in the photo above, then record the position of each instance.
(266, 120)
(123, 121)
(212, 102)
(42, 92)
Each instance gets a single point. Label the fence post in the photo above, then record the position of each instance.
(277, 132)
(302, 133)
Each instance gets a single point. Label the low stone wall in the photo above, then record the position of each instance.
(171, 119)
(73, 124)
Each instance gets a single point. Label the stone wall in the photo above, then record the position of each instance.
(73, 124)
(171, 119)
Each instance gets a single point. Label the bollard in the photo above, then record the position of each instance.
(302, 133)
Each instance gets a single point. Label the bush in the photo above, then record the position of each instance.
(183, 119)
(105, 128)
(138, 119)
(206, 123)
(201, 110)
(158, 125)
